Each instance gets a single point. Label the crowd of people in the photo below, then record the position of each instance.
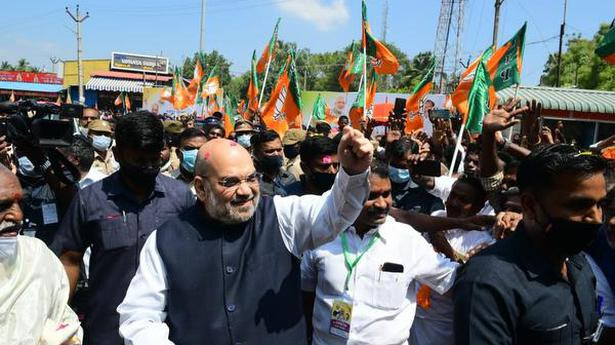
(176, 232)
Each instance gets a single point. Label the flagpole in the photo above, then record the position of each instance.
(510, 131)
(364, 74)
(457, 147)
(260, 98)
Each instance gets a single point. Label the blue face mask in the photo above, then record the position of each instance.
(399, 175)
(189, 159)
(244, 140)
(101, 142)
(26, 168)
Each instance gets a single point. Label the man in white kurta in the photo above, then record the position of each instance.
(33, 284)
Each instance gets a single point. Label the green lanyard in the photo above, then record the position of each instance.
(351, 265)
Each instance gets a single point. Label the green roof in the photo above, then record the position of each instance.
(574, 100)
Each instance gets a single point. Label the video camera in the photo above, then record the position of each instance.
(42, 124)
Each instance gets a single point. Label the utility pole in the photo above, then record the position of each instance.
(202, 41)
(562, 29)
(77, 18)
(496, 22)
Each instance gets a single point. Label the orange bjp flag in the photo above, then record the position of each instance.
(273, 114)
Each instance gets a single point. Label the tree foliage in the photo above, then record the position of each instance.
(580, 66)
(22, 65)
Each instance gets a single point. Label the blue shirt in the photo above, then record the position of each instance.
(107, 217)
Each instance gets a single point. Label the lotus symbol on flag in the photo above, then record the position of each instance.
(211, 88)
(279, 115)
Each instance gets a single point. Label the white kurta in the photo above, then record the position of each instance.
(33, 298)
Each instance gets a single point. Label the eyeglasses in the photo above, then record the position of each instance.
(234, 182)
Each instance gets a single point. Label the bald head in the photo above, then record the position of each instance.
(222, 157)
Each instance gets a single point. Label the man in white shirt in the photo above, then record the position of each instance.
(364, 279)
(227, 270)
(33, 284)
(433, 324)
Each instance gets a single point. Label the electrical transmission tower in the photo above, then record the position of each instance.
(447, 50)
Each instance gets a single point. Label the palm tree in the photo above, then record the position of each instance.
(23, 65)
(6, 66)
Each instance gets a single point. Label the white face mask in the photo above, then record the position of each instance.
(8, 247)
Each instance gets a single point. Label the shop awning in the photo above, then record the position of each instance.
(116, 85)
(565, 100)
(32, 87)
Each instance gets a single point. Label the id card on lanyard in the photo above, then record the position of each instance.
(341, 310)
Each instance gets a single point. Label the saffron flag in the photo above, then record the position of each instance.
(460, 96)
(356, 111)
(253, 87)
(197, 76)
(478, 98)
(181, 97)
(212, 84)
(420, 91)
(292, 101)
(269, 51)
(606, 48)
(384, 61)
(507, 62)
(273, 115)
(119, 100)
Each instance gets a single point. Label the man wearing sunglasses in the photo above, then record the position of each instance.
(228, 271)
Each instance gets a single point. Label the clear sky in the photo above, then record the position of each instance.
(39, 29)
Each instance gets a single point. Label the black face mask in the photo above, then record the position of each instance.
(271, 163)
(291, 151)
(570, 237)
(144, 177)
(323, 181)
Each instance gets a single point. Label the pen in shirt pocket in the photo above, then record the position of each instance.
(124, 216)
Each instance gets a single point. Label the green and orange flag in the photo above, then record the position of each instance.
(283, 110)
(459, 97)
(356, 114)
(229, 115)
(269, 51)
(420, 91)
(478, 98)
(212, 84)
(321, 111)
(384, 61)
(352, 68)
(197, 76)
(606, 48)
(345, 78)
(253, 86)
(506, 64)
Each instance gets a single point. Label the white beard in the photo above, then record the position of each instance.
(225, 212)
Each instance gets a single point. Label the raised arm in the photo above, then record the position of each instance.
(307, 222)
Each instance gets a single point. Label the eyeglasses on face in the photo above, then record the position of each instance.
(234, 181)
